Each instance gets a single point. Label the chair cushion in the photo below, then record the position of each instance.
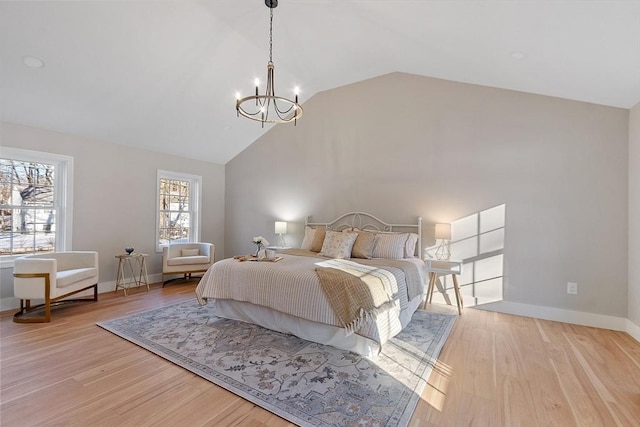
(190, 252)
(188, 260)
(66, 278)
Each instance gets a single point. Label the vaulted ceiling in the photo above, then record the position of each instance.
(162, 75)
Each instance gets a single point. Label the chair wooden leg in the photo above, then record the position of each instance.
(26, 308)
(47, 308)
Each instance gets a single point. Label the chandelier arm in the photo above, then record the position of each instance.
(275, 104)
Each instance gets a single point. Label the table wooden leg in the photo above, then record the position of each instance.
(432, 284)
(458, 294)
(120, 278)
(144, 271)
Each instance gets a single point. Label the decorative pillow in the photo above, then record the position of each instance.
(318, 239)
(190, 252)
(389, 245)
(337, 244)
(363, 246)
(410, 246)
(309, 235)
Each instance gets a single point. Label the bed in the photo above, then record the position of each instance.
(355, 283)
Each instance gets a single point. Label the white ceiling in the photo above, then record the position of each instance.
(162, 75)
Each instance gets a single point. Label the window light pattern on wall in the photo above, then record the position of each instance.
(478, 240)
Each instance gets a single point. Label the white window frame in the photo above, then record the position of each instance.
(62, 194)
(195, 197)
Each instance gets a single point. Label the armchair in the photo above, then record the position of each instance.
(186, 258)
(52, 277)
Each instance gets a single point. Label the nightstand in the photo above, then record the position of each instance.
(436, 268)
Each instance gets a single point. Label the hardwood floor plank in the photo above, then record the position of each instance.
(494, 370)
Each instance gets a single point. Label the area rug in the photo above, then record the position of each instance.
(305, 383)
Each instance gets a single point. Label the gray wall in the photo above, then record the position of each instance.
(634, 214)
(114, 200)
(402, 146)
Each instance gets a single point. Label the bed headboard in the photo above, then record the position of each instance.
(366, 221)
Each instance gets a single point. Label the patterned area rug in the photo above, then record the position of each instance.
(303, 382)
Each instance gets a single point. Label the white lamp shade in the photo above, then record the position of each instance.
(281, 227)
(443, 231)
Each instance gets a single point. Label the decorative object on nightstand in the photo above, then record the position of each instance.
(280, 229)
(129, 250)
(443, 232)
(438, 268)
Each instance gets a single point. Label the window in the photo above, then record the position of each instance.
(178, 207)
(35, 203)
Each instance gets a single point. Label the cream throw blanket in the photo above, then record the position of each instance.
(356, 292)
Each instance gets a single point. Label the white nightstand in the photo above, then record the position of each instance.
(437, 268)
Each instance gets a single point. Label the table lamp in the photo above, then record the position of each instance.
(280, 229)
(443, 232)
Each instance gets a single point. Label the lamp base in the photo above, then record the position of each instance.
(443, 253)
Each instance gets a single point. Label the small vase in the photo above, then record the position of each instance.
(258, 251)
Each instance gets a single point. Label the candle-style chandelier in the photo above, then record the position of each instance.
(269, 108)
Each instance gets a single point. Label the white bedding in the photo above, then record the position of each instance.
(286, 296)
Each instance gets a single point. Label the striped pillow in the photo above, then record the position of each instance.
(389, 245)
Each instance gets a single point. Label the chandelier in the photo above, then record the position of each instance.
(269, 108)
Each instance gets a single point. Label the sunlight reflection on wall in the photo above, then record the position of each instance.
(478, 240)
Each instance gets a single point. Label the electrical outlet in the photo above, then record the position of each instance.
(572, 288)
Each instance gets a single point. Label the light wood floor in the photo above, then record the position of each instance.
(495, 370)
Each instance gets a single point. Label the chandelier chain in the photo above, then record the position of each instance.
(271, 35)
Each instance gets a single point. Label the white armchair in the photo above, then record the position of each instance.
(186, 258)
(52, 277)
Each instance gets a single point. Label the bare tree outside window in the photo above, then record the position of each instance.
(27, 208)
(174, 209)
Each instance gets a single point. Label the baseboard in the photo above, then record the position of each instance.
(633, 330)
(562, 315)
(12, 303)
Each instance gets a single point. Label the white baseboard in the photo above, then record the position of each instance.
(12, 303)
(567, 316)
(633, 330)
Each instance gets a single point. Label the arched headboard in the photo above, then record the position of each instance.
(366, 221)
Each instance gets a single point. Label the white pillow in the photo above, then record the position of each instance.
(410, 246)
(309, 235)
(389, 245)
(337, 244)
(190, 252)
